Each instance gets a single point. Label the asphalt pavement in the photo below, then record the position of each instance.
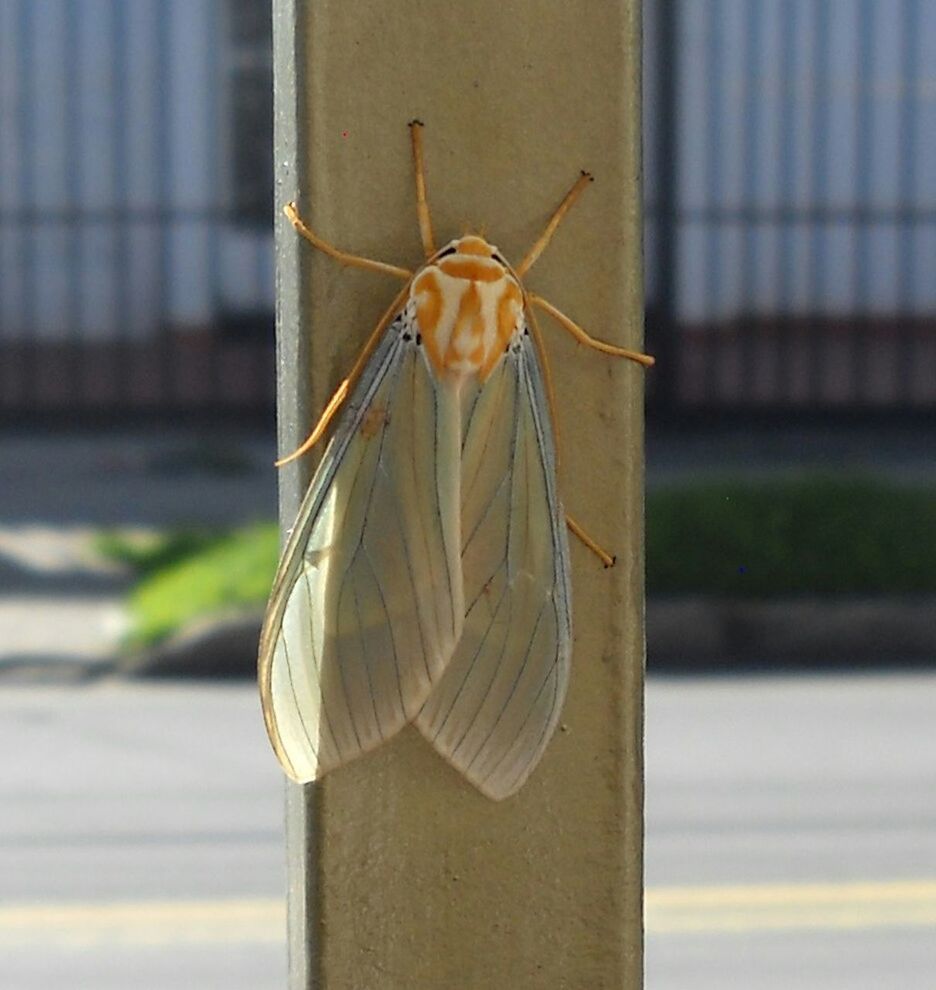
(141, 840)
(791, 822)
(791, 833)
(791, 836)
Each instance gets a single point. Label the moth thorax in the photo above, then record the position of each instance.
(468, 307)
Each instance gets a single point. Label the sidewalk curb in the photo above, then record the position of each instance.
(220, 647)
(684, 635)
(693, 632)
(57, 671)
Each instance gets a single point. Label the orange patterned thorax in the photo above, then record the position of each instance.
(468, 306)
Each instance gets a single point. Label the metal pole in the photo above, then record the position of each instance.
(401, 875)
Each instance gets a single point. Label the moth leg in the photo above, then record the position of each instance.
(570, 197)
(570, 326)
(344, 389)
(537, 334)
(606, 558)
(342, 257)
(422, 204)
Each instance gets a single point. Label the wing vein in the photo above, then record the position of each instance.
(547, 723)
(436, 519)
(470, 669)
(493, 421)
(292, 687)
(366, 663)
(352, 561)
(316, 666)
(383, 602)
(513, 688)
(412, 583)
(456, 619)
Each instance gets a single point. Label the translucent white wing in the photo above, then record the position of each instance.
(367, 604)
(497, 705)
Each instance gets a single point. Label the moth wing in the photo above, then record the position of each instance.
(367, 603)
(498, 702)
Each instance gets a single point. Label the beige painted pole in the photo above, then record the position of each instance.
(402, 875)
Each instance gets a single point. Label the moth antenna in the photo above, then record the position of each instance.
(422, 203)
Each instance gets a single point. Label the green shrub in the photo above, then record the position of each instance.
(786, 537)
(811, 536)
(226, 572)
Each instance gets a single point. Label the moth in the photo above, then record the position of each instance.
(426, 579)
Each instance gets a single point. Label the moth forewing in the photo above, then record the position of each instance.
(498, 703)
(368, 604)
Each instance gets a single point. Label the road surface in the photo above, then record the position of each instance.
(791, 836)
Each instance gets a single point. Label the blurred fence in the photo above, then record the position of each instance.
(791, 206)
(135, 195)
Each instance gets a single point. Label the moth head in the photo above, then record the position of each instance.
(471, 257)
(468, 306)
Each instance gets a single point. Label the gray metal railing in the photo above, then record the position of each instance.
(791, 228)
(791, 209)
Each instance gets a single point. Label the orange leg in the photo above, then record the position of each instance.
(582, 337)
(342, 257)
(597, 550)
(344, 389)
(577, 531)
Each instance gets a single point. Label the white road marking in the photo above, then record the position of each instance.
(806, 906)
(669, 911)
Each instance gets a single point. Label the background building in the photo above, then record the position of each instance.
(791, 218)
(136, 262)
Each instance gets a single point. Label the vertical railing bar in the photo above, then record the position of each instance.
(122, 241)
(219, 34)
(7, 182)
(818, 242)
(25, 42)
(713, 346)
(164, 363)
(667, 388)
(751, 81)
(75, 230)
(906, 195)
(784, 322)
(261, 265)
(11, 231)
(263, 260)
(862, 339)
